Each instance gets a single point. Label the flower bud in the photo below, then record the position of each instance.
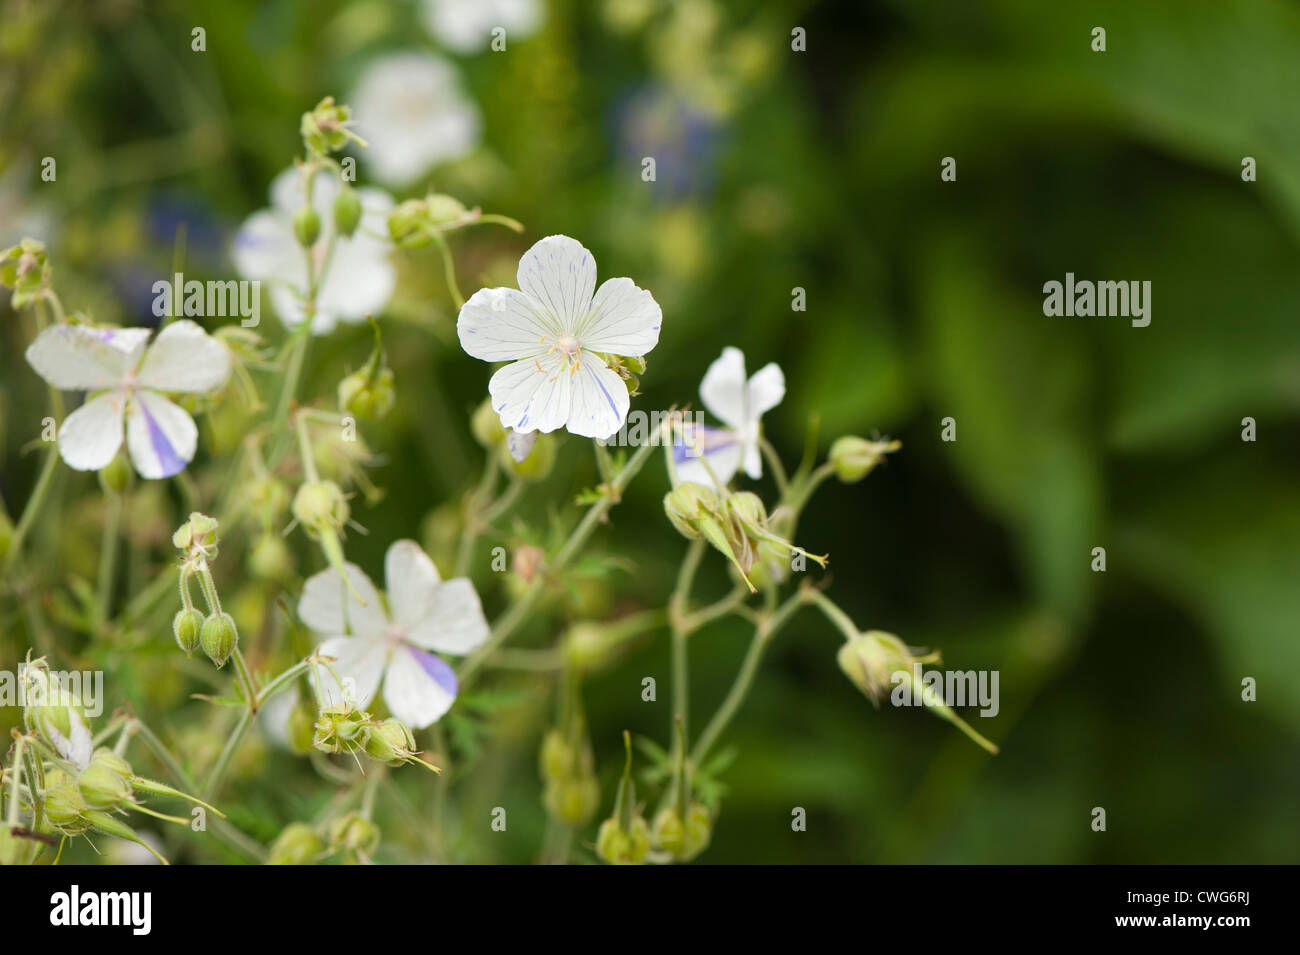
(199, 532)
(573, 800)
(853, 458)
(354, 833)
(268, 497)
(683, 839)
(365, 398)
(556, 758)
(870, 658)
(685, 504)
(64, 805)
(623, 848)
(320, 504)
(324, 129)
(269, 559)
(306, 226)
(219, 638)
(187, 625)
(485, 425)
(106, 783)
(536, 465)
(347, 211)
(389, 741)
(116, 477)
(297, 844)
(339, 728)
(25, 268)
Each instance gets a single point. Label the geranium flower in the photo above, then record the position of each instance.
(160, 436)
(740, 405)
(466, 26)
(412, 113)
(359, 279)
(554, 331)
(393, 646)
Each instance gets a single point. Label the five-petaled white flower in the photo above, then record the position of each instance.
(412, 113)
(424, 614)
(160, 436)
(739, 404)
(466, 25)
(553, 329)
(359, 278)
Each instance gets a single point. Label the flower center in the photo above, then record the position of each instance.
(395, 634)
(569, 345)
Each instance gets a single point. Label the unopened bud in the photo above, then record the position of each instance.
(320, 504)
(853, 458)
(106, 782)
(389, 741)
(297, 844)
(187, 625)
(306, 226)
(623, 848)
(219, 638)
(347, 211)
(367, 399)
(354, 833)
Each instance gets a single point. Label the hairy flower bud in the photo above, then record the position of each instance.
(354, 833)
(683, 839)
(187, 625)
(64, 805)
(572, 800)
(389, 741)
(106, 783)
(686, 504)
(219, 638)
(324, 129)
(623, 848)
(853, 458)
(320, 504)
(365, 398)
(297, 844)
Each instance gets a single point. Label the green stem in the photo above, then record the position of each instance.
(33, 507)
(508, 622)
(108, 558)
(834, 614)
(448, 268)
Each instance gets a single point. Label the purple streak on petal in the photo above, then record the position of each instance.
(703, 439)
(438, 670)
(167, 457)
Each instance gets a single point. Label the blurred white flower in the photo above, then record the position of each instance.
(424, 614)
(412, 113)
(160, 436)
(552, 329)
(740, 405)
(466, 26)
(360, 277)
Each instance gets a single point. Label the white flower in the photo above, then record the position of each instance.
(552, 329)
(739, 405)
(412, 113)
(466, 25)
(359, 279)
(393, 647)
(160, 436)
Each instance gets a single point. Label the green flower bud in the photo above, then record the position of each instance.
(748, 506)
(347, 211)
(199, 531)
(306, 226)
(219, 638)
(537, 466)
(106, 783)
(573, 800)
(485, 424)
(116, 477)
(411, 223)
(443, 209)
(853, 458)
(354, 833)
(366, 399)
(187, 625)
(870, 660)
(268, 496)
(556, 757)
(389, 741)
(339, 728)
(64, 805)
(25, 268)
(324, 129)
(297, 844)
(320, 504)
(685, 504)
(623, 848)
(683, 839)
(269, 559)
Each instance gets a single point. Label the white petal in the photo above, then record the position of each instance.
(160, 435)
(265, 248)
(84, 358)
(534, 394)
(560, 275)
(502, 324)
(360, 665)
(419, 687)
(184, 358)
(624, 320)
(721, 448)
(466, 25)
(359, 283)
(520, 444)
(765, 390)
(723, 388)
(454, 621)
(410, 577)
(322, 605)
(90, 436)
(600, 399)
